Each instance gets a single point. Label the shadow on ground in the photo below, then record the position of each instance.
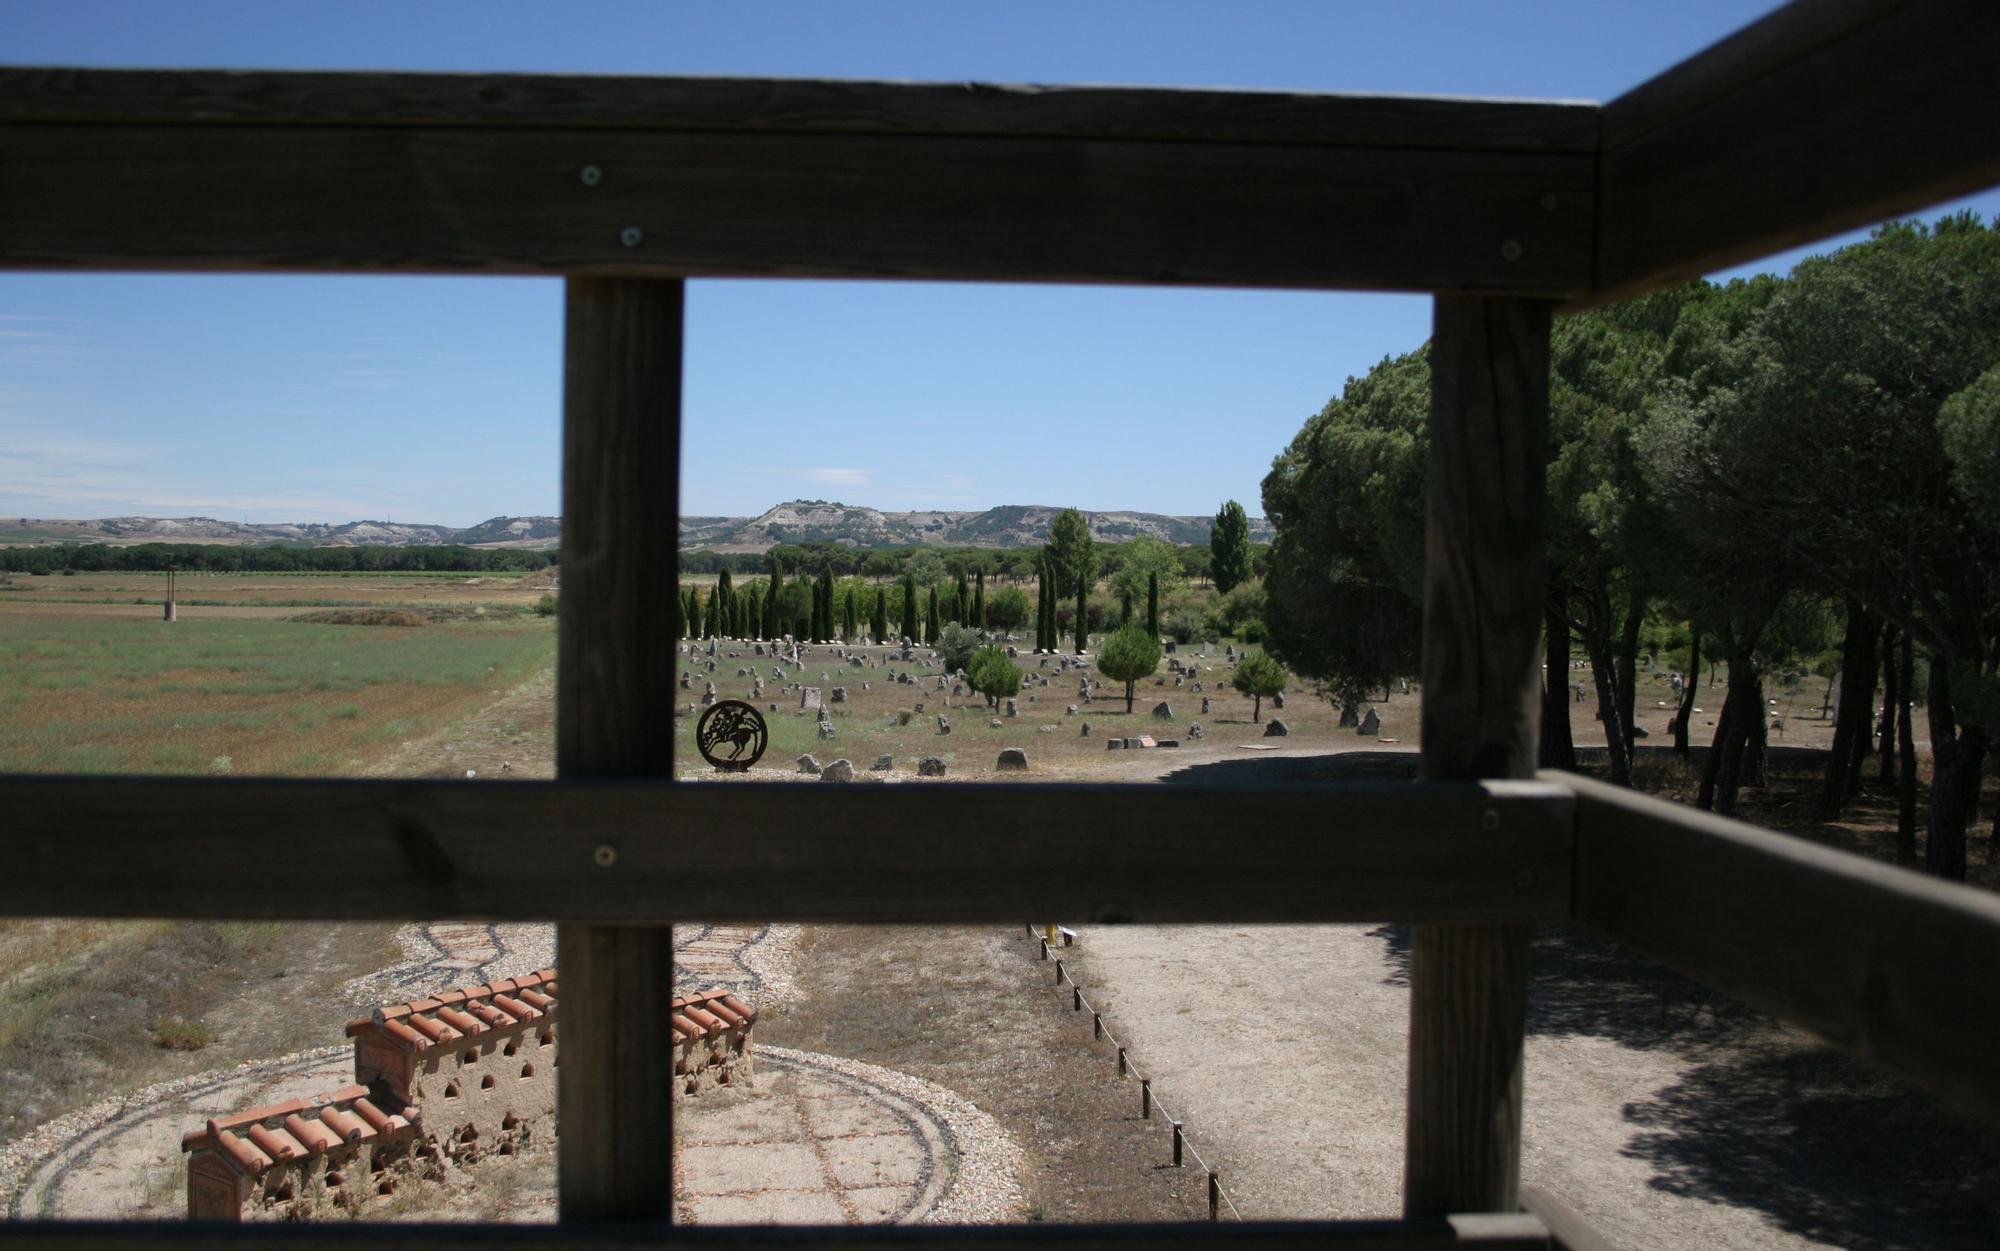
(1763, 1119)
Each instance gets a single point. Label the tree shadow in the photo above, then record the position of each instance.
(1825, 1148)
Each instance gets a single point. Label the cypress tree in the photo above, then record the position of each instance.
(1045, 607)
(826, 604)
(1153, 604)
(880, 623)
(690, 616)
(1124, 607)
(979, 602)
(931, 622)
(847, 615)
(962, 605)
(725, 611)
(772, 626)
(1082, 614)
(912, 629)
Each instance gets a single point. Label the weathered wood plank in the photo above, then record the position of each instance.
(1891, 965)
(461, 200)
(793, 105)
(1491, 1232)
(1823, 117)
(527, 850)
(615, 693)
(1483, 597)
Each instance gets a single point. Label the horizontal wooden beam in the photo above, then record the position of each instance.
(793, 106)
(1895, 967)
(648, 852)
(1489, 1232)
(607, 201)
(1824, 116)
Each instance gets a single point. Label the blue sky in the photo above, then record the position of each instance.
(420, 399)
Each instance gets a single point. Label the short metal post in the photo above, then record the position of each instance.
(1076, 1004)
(1059, 972)
(1145, 1098)
(1214, 1195)
(1121, 1062)
(1177, 1144)
(1097, 1025)
(1045, 949)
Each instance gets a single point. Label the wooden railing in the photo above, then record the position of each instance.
(1823, 116)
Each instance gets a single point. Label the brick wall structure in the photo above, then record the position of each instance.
(439, 1083)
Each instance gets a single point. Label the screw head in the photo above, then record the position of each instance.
(631, 236)
(1489, 820)
(606, 855)
(1510, 250)
(591, 175)
(1548, 201)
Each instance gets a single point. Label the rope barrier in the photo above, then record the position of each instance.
(1218, 1198)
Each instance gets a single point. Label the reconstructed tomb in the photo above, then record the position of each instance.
(439, 1083)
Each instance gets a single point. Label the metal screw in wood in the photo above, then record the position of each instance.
(591, 175)
(606, 855)
(631, 236)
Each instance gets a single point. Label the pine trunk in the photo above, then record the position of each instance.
(1684, 716)
(1711, 766)
(1857, 678)
(1958, 753)
(1893, 697)
(1128, 696)
(1628, 673)
(1906, 742)
(1558, 750)
(1743, 711)
(1599, 650)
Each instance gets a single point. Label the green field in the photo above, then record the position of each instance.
(91, 692)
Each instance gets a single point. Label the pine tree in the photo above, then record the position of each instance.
(880, 623)
(1153, 604)
(1229, 547)
(1082, 613)
(979, 602)
(774, 628)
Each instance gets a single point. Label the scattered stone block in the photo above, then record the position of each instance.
(1194, 731)
(1013, 707)
(1114, 744)
(882, 764)
(1086, 730)
(1163, 710)
(1170, 742)
(809, 697)
(944, 726)
(930, 767)
(838, 771)
(1012, 759)
(1276, 729)
(1370, 724)
(839, 694)
(807, 764)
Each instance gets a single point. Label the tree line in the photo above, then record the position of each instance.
(229, 558)
(1754, 473)
(1014, 564)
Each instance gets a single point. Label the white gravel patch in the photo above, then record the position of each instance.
(19, 1158)
(984, 1189)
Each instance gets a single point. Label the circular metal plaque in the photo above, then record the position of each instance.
(731, 735)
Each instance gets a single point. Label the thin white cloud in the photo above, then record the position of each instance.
(824, 475)
(84, 478)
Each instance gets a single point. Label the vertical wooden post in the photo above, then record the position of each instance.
(1483, 597)
(615, 719)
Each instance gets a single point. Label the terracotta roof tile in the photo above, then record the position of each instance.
(256, 1139)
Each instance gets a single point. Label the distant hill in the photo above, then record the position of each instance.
(495, 532)
(795, 521)
(854, 525)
